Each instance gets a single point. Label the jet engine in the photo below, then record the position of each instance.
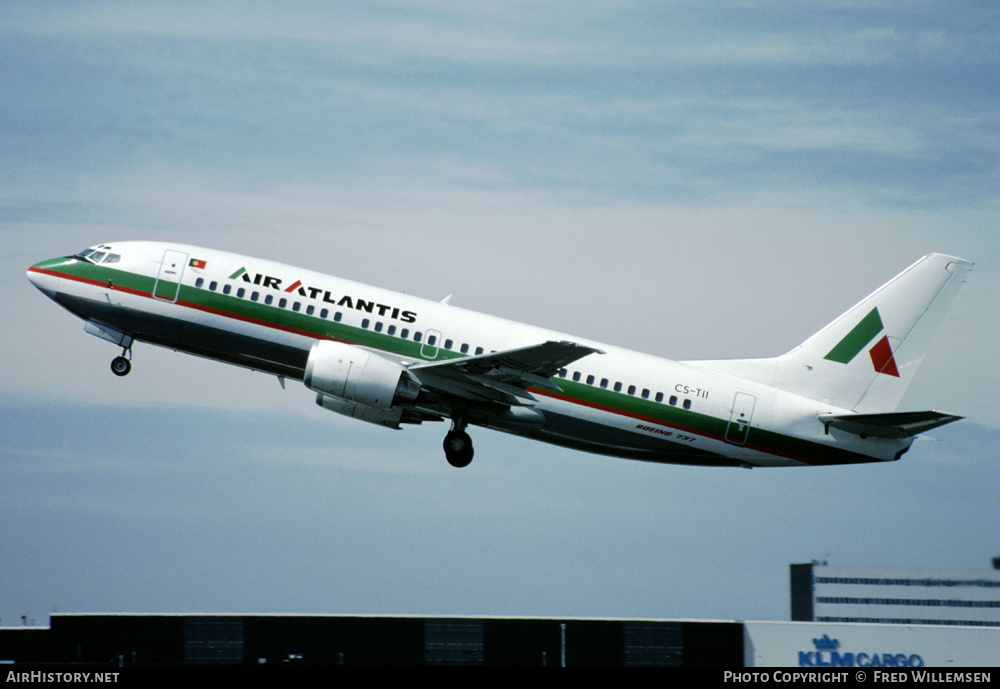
(360, 384)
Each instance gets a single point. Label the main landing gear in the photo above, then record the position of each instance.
(458, 445)
(121, 365)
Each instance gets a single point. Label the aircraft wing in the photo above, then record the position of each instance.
(501, 376)
(891, 425)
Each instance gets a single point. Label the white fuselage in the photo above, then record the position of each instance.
(266, 316)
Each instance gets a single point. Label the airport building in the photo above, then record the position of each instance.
(889, 595)
(175, 640)
(860, 617)
(843, 645)
(372, 641)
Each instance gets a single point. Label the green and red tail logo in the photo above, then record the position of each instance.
(860, 337)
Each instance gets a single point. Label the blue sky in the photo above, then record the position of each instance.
(689, 179)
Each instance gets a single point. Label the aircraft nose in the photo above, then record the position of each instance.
(38, 277)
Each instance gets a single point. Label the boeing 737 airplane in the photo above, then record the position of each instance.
(391, 359)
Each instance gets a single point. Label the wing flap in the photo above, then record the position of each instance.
(505, 375)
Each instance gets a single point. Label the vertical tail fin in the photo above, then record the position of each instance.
(866, 358)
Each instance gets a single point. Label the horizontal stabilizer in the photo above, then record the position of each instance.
(892, 425)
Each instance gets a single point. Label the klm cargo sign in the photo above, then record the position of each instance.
(828, 654)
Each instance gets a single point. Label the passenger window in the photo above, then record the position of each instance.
(465, 349)
(562, 373)
(659, 397)
(645, 394)
(296, 306)
(337, 316)
(378, 327)
(240, 292)
(199, 282)
(391, 330)
(282, 303)
(479, 350)
(404, 333)
(673, 400)
(618, 387)
(604, 382)
(631, 389)
(213, 285)
(227, 289)
(576, 376)
(687, 404)
(432, 340)
(590, 380)
(254, 296)
(324, 313)
(416, 336)
(310, 310)
(365, 323)
(269, 299)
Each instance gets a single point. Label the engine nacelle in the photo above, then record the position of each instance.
(344, 372)
(390, 418)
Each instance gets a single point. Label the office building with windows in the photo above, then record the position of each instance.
(889, 595)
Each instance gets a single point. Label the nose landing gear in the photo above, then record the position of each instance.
(458, 445)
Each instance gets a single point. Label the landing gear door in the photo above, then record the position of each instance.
(168, 280)
(739, 418)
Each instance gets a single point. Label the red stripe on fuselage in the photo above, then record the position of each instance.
(536, 391)
(185, 304)
(675, 426)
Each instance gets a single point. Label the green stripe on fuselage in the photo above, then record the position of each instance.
(615, 402)
(114, 277)
(863, 333)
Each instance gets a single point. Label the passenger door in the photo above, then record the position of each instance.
(168, 280)
(739, 418)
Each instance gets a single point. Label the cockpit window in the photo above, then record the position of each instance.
(95, 256)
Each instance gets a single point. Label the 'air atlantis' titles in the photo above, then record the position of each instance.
(347, 302)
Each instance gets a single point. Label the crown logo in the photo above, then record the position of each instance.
(826, 644)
